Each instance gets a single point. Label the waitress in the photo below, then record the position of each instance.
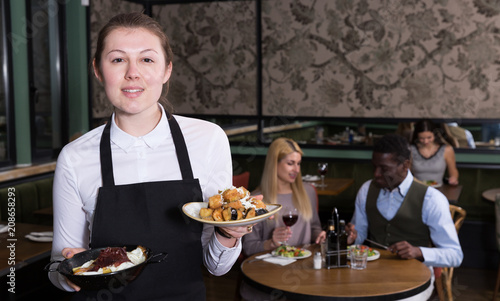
(125, 182)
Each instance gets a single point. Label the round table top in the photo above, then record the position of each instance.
(388, 276)
(490, 194)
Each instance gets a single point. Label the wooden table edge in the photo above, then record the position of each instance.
(486, 193)
(303, 297)
(323, 191)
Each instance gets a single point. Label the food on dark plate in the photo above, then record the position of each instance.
(112, 260)
(232, 204)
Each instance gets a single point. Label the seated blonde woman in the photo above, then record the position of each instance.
(281, 183)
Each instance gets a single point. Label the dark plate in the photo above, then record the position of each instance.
(102, 281)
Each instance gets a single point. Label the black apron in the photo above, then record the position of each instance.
(150, 214)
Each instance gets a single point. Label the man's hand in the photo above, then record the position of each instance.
(406, 251)
(351, 232)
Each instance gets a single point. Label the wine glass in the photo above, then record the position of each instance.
(322, 170)
(290, 217)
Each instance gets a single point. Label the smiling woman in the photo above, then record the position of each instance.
(139, 169)
(134, 77)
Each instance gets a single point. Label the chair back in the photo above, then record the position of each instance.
(241, 179)
(458, 215)
(444, 276)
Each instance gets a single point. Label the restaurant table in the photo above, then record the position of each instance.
(386, 278)
(26, 251)
(452, 192)
(334, 186)
(490, 194)
(48, 211)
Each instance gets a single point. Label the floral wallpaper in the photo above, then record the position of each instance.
(214, 44)
(330, 58)
(433, 58)
(100, 13)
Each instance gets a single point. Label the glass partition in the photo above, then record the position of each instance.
(6, 104)
(354, 132)
(46, 72)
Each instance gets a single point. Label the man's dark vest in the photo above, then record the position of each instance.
(406, 225)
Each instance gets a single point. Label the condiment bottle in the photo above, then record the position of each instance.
(317, 261)
(332, 245)
(342, 238)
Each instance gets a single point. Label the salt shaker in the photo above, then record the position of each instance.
(317, 260)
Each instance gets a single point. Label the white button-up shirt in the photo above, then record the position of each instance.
(138, 159)
(435, 214)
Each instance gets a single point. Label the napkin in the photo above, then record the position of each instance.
(40, 236)
(276, 260)
(310, 178)
(3, 228)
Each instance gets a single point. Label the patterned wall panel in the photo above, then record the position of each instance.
(331, 58)
(215, 56)
(381, 58)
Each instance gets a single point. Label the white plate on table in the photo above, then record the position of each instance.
(310, 178)
(192, 210)
(432, 183)
(307, 253)
(375, 256)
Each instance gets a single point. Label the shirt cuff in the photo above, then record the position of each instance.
(219, 259)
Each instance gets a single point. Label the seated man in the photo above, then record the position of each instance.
(412, 219)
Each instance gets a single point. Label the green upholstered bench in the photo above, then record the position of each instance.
(30, 196)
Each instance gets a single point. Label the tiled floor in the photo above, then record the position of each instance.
(468, 285)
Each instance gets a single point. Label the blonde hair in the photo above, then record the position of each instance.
(278, 150)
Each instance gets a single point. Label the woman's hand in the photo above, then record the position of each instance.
(68, 253)
(228, 236)
(237, 232)
(321, 237)
(281, 234)
(453, 180)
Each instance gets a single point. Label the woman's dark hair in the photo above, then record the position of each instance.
(393, 144)
(426, 125)
(134, 20)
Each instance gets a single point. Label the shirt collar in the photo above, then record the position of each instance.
(404, 186)
(152, 139)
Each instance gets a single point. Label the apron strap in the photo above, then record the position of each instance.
(106, 160)
(180, 148)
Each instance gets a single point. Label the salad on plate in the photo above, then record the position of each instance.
(291, 252)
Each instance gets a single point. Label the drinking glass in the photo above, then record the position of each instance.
(322, 170)
(359, 256)
(290, 217)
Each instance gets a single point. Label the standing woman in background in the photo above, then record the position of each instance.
(124, 183)
(431, 157)
(281, 183)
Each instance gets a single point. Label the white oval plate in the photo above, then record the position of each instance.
(307, 253)
(192, 210)
(370, 258)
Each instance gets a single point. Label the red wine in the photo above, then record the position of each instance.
(290, 220)
(322, 171)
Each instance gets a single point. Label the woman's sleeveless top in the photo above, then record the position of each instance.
(428, 169)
